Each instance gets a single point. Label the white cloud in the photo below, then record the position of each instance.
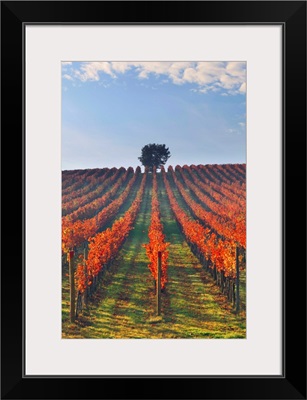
(242, 88)
(90, 71)
(226, 77)
(68, 77)
(121, 67)
(237, 131)
(143, 75)
(236, 69)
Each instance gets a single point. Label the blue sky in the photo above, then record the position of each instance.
(110, 110)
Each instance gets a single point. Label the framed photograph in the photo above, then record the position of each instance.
(163, 149)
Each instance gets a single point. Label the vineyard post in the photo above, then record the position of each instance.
(85, 274)
(72, 286)
(237, 281)
(159, 284)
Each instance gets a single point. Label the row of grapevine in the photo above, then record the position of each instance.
(91, 207)
(237, 170)
(156, 238)
(76, 233)
(226, 218)
(80, 179)
(234, 191)
(103, 247)
(69, 176)
(219, 173)
(77, 198)
(228, 205)
(220, 257)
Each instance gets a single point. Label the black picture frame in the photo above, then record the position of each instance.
(292, 16)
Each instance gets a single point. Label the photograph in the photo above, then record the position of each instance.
(159, 147)
(153, 160)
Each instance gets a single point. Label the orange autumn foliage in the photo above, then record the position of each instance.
(74, 233)
(156, 238)
(220, 252)
(104, 246)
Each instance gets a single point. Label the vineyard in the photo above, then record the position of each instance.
(154, 254)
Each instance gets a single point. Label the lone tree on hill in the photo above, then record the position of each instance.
(154, 155)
